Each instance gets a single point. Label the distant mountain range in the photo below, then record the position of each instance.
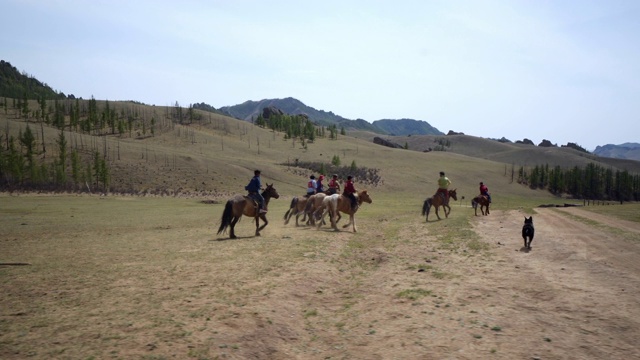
(250, 110)
(629, 151)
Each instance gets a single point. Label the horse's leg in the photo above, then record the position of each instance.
(353, 221)
(333, 219)
(264, 219)
(321, 220)
(437, 214)
(257, 224)
(232, 233)
(287, 216)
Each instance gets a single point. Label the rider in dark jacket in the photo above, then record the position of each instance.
(254, 187)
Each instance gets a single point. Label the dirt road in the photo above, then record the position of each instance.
(576, 294)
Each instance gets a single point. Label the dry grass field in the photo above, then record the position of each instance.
(135, 277)
(147, 277)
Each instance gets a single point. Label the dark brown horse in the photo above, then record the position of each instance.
(438, 200)
(244, 205)
(483, 201)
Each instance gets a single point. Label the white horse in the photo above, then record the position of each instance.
(330, 206)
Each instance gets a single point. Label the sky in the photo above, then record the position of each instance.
(564, 71)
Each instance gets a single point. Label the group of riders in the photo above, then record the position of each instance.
(316, 186)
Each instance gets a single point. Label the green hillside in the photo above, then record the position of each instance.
(17, 85)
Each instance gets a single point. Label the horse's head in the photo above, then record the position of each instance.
(270, 191)
(452, 193)
(364, 196)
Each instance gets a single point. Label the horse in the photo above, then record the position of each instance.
(297, 208)
(330, 206)
(314, 203)
(344, 205)
(245, 205)
(483, 201)
(438, 200)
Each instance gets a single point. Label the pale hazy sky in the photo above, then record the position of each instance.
(566, 71)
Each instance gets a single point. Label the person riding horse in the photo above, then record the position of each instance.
(443, 187)
(254, 187)
(312, 185)
(334, 185)
(484, 190)
(319, 184)
(350, 191)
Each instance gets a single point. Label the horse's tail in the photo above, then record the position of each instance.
(294, 203)
(227, 216)
(474, 203)
(426, 206)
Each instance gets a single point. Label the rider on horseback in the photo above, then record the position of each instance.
(312, 185)
(443, 187)
(484, 190)
(350, 191)
(334, 185)
(254, 187)
(320, 185)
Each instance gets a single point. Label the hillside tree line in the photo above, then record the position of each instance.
(297, 126)
(592, 182)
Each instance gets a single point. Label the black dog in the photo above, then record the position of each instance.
(527, 231)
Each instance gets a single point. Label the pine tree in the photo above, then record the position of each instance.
(61, 174)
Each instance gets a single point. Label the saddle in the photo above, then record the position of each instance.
(253, 200)
(443, 196)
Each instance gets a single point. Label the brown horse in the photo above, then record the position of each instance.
(438, 200)
(297, 208)
(483, 201)
(244, 205)
(315, 202)
(344, 205)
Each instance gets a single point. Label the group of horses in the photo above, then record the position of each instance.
(315, 208)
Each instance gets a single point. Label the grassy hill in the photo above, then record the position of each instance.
(214, 155)
(504, 152)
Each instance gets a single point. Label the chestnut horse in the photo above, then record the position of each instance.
(483, 201)
(438, 200)
(344, 205)
(244, 205)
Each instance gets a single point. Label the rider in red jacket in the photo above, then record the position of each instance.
(484, 190)
(349, 191)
